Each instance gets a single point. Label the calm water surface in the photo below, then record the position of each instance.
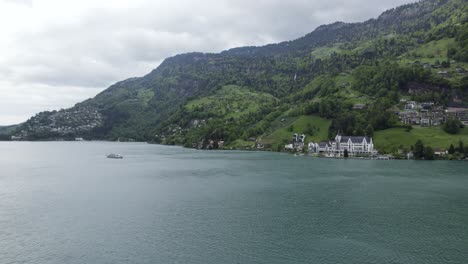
(67, 203)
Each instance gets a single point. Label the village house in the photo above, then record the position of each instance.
(427, 105)
(410, 117)
(359, 106)
(461, 71)
(438, 152)
(444, 74)
(425, 122)
(298, 143)
(458, 113)
(425, 114)
(411, 105)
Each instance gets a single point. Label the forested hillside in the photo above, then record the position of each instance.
(341, 77)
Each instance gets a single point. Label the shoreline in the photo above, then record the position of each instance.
(226, 149)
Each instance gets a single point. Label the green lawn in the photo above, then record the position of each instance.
(351, 95)
(324, 52)
(145, 96)
(231, 102)
(436, 49)
(390, 140)
(320, 132)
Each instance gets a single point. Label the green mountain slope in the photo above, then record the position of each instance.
(245, 92)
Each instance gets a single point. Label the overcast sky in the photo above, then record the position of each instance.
(55, 53)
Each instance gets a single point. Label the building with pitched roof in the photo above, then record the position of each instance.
(354, 145)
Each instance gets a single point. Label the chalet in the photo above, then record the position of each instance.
(438, 152)
(297, 143)
(411, 105)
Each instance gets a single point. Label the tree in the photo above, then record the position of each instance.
(428, 153)
(370, 130)
(309, 130)
(451, 150)
(452, 126)
(461, 147)
(418, 150)
(445, 64)
(346, 154)
(359, 131)
(408, 128)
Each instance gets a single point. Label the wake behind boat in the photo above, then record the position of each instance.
(114, 156)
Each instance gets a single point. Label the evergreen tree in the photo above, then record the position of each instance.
(451, 150)
(461, 147)
(419, 150)
(428, 153)
(309, 130)
(370, 130)
(452, 126)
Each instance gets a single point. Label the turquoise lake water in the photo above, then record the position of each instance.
(65, 202)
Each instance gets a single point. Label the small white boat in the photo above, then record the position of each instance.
(114, 156)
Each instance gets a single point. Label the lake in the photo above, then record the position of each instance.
(65, 202)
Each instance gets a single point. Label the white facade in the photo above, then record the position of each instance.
(355, 146)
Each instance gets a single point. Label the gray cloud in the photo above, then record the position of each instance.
(55, 53)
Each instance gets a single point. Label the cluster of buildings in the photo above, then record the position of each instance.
(209, 144)
(423, 114)
(458, 113)
(75, 121)
(298, 143)
(444, 68)
(449, 74)
(428, 114)
(354, 146)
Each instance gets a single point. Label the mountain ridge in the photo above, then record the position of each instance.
(142, 107)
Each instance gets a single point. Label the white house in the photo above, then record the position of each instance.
(289, 147)
(297, 144)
